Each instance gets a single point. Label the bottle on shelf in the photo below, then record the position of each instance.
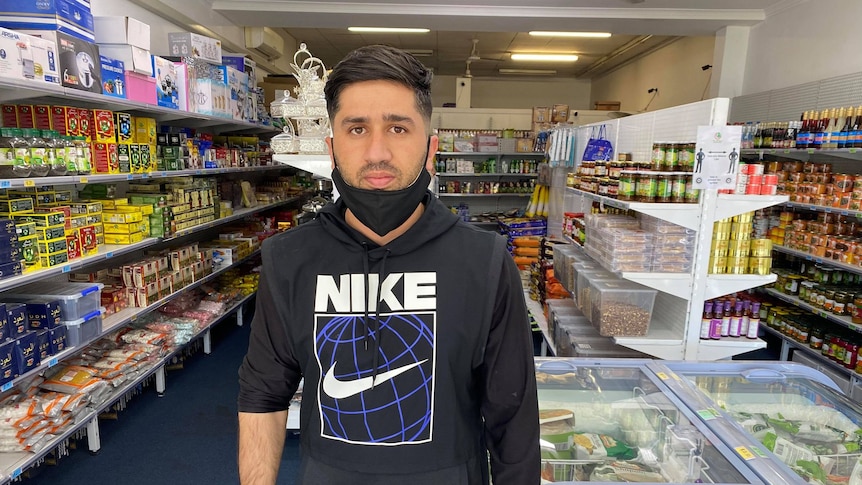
(735, 320)
(706, 321)
(857, 128)
(804, 131)
(726, 317)
(753, 321)
(746, 318)
(840, 121)
(845, 136)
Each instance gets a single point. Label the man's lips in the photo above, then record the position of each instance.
(378, 180)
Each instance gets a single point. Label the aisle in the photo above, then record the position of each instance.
(188, 436)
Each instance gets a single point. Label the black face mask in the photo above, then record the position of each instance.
(382, 210)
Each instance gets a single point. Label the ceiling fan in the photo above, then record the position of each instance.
(475, 57)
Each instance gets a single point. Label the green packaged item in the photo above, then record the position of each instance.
(589, 446)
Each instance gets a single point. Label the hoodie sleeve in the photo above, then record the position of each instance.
(510, 403)
(269, 374)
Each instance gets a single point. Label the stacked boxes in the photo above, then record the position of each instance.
(10, 250)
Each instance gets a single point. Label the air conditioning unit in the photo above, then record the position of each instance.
(264, 41)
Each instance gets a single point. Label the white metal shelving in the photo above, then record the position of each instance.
(538, 314)
(318, 165)
(809, 257)
(840, 320)
(675, 327)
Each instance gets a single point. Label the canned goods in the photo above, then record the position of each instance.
(752, 189)
(761, 248)
(755, 179)
(719, 248)
(738, 265)
(738, 248)
(746, 217)
(721, 226)
(755, 169)
(760, 266)
(770, 179)
(717, 265)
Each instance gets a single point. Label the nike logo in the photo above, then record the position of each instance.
(342, 389)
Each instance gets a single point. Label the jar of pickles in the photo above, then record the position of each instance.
(626, 190)
(646, 187)
(671, 157)
(658, 156)
(664, 188)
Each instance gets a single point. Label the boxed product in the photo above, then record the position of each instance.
(140, 274)
(44, 314)
(134, 59)
(15, 206)
(242, 64)
(50, 233)
(52, 245)
(5, 331)
(43, 344)
(103, 126)
(42, 116)
(73, 244)
(64, 119)
(186, 44)
(57, 337)
(124, 127)
(113, 77)
(124, 238)
(53, 259)
(25, 352)
(145, 130)
(146, 295)
(621, 308)
(167, 91)
(67, 16)
(8, 362)
(106, 158)
(43, 220)
(121, 30)
(141, 87)
(237, 82)
(30, 58)
(16, 318)
(80, 61)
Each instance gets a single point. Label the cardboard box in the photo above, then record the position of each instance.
(124, 152)
(186, 44)
(54, 259)
(124, 126)
(8, 362)
(80, 61)
(42, 116)
(103, 126)
(73, 244)
(541, 114)
(64, 122)
(16, 317)
(88, 240)
(124, 238)
(113, 77)
(44, 314)
(25, 352)
(242, 64)
(28, 58)
(86, 124)
(135, 158)
(66, 16)
(237, 85)
(25, 116)
(57, 337)
(121, 30)
(140, 87)
(560, 113)
(43, 344)
(167, 91)
(145, 130)
(182, 83)
(9, 113)
(105, 158)
(134, 59)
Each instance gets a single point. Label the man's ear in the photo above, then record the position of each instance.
(433, 142)
(328, 140)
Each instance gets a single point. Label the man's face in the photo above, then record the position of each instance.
(379, 137)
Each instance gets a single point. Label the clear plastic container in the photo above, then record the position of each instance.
(8, 167)
(673, 240)
(671, 267)
(85, 156)
(21, 150)
(83, 330)
(70, 154)
(38, 153)
(76, 299)
(56, 153)
(621, 308)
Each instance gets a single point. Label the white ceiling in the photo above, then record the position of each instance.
(501, 26)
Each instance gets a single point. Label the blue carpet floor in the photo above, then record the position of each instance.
(186, 437)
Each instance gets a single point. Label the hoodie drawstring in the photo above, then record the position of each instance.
(365, 282)
(378, 336)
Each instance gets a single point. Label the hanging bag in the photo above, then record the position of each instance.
(599, 148)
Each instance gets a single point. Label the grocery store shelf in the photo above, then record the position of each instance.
(237, 215)
(730, 205)
(813, 353)
(725, 284)
(676, 284)
(488, 175)
(658, 342)
(499, 194)
(727, 347)
(535, 309)
(843, 321)
(823, 208)
(802, 254)
(491, 154)
(686, 215)
(319, 165)
(805, 154)
(118, 177)
(107, 252)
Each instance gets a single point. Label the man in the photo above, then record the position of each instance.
(409, 326)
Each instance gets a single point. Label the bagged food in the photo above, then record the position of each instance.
(807, 431)
(619, 471)
(589, 446)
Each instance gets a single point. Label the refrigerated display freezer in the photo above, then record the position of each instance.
(790, 423)
(616, 420)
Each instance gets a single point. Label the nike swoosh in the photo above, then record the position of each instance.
(342, 389)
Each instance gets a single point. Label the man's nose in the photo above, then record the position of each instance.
(377, 148)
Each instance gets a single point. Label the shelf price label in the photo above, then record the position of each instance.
(745, 453)
(16, 473)
(83, 180)
(130, 177)
(6, 386)
(52, 362)
(66, 268)
(851, 150)
(662, 376)
(707, 414)
(757, 451)
(29, 183)
(810, 151)
(5, 184)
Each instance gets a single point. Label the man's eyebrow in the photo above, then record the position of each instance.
(392, 117)
(354, 119)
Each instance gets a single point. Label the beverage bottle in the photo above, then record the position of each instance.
(758, 135)
(804, 131)
(746, 318)
(706, 320)
(725, 319)
(815, 139)
(845, 138)
(829, 128)
(753, 321)
(735, 320)
(857, 128)
(840, 120)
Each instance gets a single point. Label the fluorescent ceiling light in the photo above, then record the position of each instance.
(388, 30)
(542, 33)
(544, 57)
(530, 72)
(420, 52)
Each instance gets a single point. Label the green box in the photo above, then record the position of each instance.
(124, 154)
(171, 152)
(135, 156)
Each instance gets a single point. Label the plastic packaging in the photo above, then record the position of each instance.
(621, 308)
(55, 153)
(38, 153)
(21, 151)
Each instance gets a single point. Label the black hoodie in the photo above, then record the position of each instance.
(438, 371)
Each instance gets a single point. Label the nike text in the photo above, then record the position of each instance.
(347, 294)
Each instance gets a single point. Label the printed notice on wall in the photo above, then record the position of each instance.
(716, 157)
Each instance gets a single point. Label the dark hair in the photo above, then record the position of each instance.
(380, 63)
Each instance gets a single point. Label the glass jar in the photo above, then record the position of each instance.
(84, 155)
(56, 152)
(692, 195)
(686, 157)
(856, 316)
(647, 185)
(38, 153)
(614, 169)
(815, 340)
(626, 190)
(21, 148)
(841, 302)
(671, 157)
(677, 190)
(600, 169)
(664, 188)
(658, 156)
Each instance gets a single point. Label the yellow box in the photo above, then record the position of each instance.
(51, 232)
(63, 196)
(53, 259)
(145, 209)
(124, 238)
(43, 219)
(121, 217)
(145, 130)
(86, 207)
(52, 245)
(24, 229)
(130, 228)
(16, 206)
(111, 203)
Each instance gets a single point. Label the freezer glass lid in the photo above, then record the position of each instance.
(806, 424)
(616, 424)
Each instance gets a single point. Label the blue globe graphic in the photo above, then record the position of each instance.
(396, 410)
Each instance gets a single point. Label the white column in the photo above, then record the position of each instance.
(728, 64)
